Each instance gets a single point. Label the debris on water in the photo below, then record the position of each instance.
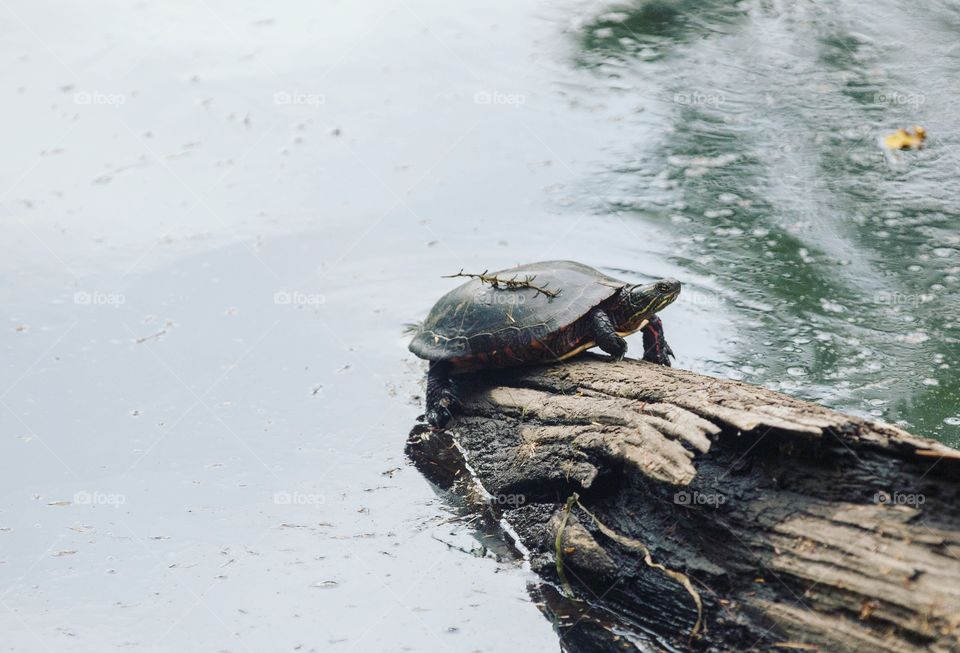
(64, 553)
(326, 584)
(906, 139)
(157, 335)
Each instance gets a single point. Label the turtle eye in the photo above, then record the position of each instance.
(663, 287)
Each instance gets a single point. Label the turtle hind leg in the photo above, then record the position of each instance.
(655, 347)
(605, 335)
(441, 398)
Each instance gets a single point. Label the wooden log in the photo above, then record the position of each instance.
(799, 527)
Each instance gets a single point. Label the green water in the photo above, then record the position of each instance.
(840, 261)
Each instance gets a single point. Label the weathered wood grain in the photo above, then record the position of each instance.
(801, 527)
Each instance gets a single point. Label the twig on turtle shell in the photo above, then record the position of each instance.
(510, 284)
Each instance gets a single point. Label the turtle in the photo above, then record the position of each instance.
(535, 313)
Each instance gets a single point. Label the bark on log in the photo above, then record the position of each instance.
(801, 528)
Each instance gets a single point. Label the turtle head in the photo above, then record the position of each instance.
(643, 301)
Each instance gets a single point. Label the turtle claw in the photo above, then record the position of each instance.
(441, 398)
(437, 419)
(619, 350)
(606, 336)
(660, 358)
(655, 347)
(440, 415)
(450, 401)
(660, 355)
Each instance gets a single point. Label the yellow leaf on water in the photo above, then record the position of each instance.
(906, 139)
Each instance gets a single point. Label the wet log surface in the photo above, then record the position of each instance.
(799, 527)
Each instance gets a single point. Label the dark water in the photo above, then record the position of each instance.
(218, 216)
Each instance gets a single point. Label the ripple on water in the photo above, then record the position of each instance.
(913, 338)
(837, 235)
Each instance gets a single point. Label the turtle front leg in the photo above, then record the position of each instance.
(655, 347)
(441, 399)
(605, 335)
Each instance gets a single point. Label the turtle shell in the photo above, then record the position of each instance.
(477, 325)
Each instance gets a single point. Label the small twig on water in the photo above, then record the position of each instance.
(512, 283)
(156, 336)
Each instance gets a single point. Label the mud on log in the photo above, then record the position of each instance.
(800, 528)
